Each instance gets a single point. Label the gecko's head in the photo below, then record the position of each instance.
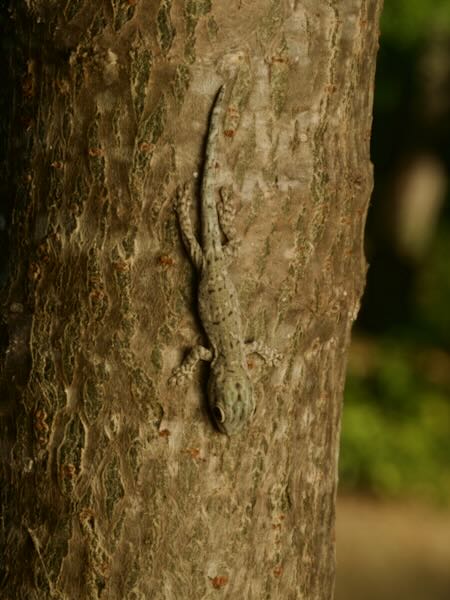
(230, 397)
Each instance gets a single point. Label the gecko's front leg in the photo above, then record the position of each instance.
(184, 373)
(271, 357)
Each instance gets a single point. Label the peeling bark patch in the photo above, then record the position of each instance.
(238, 98)
(181, 83)
(141, 65)
(41, 427)
(68, 350)
(95, 151)
(70, 454)
(279, 77)
(128, 241)
(154, 126)
(99, 24)
(194, 9)
(55, 553)
(123, 12)
(166, 31)
(72, 7)
(149, 133)
(271, 22)
(213, 28)
(113, 486)
(93, 396)
(99, 561)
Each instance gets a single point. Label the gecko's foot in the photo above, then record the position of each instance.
(275, 359)
(178, 378)
(185, 373)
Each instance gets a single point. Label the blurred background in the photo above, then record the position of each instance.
(393, 520)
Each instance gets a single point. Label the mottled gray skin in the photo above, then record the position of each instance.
(230, 391)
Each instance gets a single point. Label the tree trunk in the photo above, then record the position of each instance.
(115, 484)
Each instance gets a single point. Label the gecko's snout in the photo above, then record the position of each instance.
(231, 401)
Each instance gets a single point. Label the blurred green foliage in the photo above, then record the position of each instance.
(407, 22)
(432, 309)
(396, 421)
(396, 424)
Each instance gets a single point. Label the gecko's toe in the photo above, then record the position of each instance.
(175, 379)
(276, 359)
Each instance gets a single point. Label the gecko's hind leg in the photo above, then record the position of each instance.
(185, 372)
(226, 212)
(183, 205)
(271, 356)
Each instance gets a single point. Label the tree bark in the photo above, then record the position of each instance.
(114, 484)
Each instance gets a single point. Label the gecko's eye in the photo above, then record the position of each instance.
(219, 414)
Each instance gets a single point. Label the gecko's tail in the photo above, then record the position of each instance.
(211, 162)
(211, 237)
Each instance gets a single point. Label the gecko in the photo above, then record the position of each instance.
(230, 391)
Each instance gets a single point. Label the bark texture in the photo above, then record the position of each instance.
(114, 485)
